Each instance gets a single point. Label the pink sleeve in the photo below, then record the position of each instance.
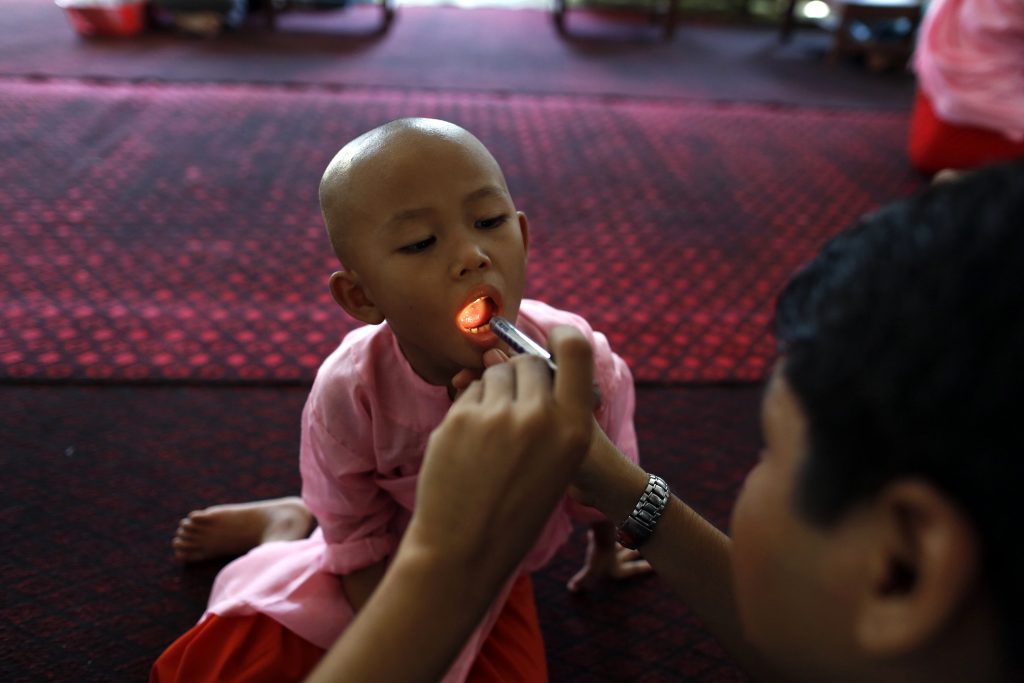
(618, 398)
(614, 382)
(339, 485)
(618, 403)
(613, 377)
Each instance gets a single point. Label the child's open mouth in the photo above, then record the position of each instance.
(476, 316)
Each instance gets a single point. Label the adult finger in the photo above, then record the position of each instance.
(494, 356)
(575, 377)
(470, 394)
(463, 378)
(499, 384)
(533, 381)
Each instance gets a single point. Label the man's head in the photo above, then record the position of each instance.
(880, 529)
(421, 218)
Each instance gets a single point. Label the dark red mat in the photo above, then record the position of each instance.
(172, 232)
(96, 478)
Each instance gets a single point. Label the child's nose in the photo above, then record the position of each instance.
(470, 257)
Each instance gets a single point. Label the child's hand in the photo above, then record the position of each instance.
(606, 559)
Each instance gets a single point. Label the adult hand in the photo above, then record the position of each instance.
(494, 356)
(503, 457)
(493, 472)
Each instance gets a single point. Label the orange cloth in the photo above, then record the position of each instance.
(257, 649)
(935, 144)
(514, 649)
(253, 649)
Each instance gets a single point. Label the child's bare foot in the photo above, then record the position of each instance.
(231, 530)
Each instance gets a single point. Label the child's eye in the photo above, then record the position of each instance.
(491, 223)
(417, 247)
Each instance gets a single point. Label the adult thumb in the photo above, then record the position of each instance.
(574, 380)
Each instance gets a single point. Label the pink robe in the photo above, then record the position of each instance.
(970, 63)
(364, 431)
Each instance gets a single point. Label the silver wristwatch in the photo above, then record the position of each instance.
(640, 524)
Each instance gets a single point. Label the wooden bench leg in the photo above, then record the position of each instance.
(559, 16)
(788, 22)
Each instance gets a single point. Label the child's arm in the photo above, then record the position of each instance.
(360, 584)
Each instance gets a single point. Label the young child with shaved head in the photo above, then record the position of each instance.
(432, 246)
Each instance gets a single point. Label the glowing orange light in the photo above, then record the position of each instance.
(476, 314)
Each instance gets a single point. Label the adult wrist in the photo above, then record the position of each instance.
(603, 477)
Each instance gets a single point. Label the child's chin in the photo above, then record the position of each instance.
(470, 358)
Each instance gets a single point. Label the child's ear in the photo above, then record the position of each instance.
(924, 567)
(351, 295)
(524, 229)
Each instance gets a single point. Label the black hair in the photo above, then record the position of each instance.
(903, 341)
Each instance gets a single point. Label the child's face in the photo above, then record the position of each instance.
(792, 580)
(434, 230)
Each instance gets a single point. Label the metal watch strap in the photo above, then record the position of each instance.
(640, 524)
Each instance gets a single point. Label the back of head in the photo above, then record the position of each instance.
(904, 342)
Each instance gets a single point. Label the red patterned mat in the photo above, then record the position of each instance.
(96, 479)
(172, 232)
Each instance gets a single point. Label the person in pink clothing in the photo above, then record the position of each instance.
(969, 61)
(432, 246)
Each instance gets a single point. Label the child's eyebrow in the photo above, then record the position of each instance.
(485, 192)
(406, 216)
(410, 215)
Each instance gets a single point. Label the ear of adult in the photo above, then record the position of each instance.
(923, 570)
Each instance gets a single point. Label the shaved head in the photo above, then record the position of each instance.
(370, 159)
